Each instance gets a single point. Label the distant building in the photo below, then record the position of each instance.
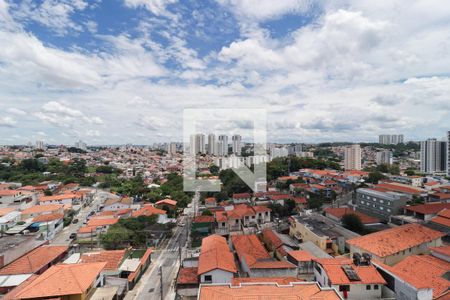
(384, 157)
(40, 145)
(172, 148)
(352, 157)
(379, 203)
(236, 146)
(388, 139)
(222, 145)
(433, 156)
(278, 152)
(81, 145)
(212, 144)
(197, 144)
(448, 153)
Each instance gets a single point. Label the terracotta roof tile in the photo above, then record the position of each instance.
(429, 208)
(187, 276)
(445, 250)
(42, 209)
(48, 217)
(279, 280)
(394, 240)
(204, 219)
(167, 202)
(301, 255)
(148, 210)
(34, 260)
(339, 212)
(333, 268)
(112, 258)
(62, 280)
(215, 254)
(423, 271)
(267, 291)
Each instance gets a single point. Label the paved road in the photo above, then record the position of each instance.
(62, 237)
(168, 258)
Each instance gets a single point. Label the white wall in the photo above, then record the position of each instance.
(218, 276)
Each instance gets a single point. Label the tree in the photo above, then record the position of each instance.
(374, 177)
(47, 192)
(115, 237)
(213, 169)
(352, 222)
(207, 213)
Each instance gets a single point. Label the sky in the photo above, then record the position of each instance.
(123, 71)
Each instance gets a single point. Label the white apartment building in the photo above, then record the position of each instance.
(391, 139)
(433, 156)
(352, 157)
(278, 152)
(236, 145)
(197, 144)
(222, 145)
(448, 153)
(212, 144)
(384, 157)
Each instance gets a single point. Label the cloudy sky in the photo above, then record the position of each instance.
(123, 71)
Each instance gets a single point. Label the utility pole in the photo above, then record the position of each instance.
(161, 283)
(179, 251)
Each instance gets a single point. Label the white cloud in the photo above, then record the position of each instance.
(61, 115)
(54, 14)
(260, 10)
(7, 122)
(157, 7)
(16, 111)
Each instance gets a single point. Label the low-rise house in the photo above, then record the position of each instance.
(422, 277)
(203, 225)
(216, 262)
(9, 220)
(112, 258)
(115, 204)
(277, 243)
(172, 204)
(353, 279)
(48, 224)
(256, 261)
(68, 198)
(425, 212)
(38, 210)
(149, 210)
(210, 202)
(96, 226)
(392, 245)
(442, 223)
(302, 230)
(35, 262)
(16, 199)
(303, 260)
(235, 218)
(336, 213)
(241, 198)
(268, 291)
(64, 281)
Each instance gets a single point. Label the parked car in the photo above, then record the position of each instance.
(75, 221)
(73, 236)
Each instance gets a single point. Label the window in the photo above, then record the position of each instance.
(208, 278)
(375, 287)
(318, 269)
(344, 288)
(368, 287)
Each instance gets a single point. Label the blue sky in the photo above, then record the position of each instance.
(123, 71)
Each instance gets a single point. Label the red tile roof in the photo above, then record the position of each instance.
(112, 258)
(204, 219)
(6, 210)
(241, 196)
(34, 261)
(215, 254)
(210, 200)
(442, 218)
(148, 210)
(267, 291)
(428, 208)
(48, 218)
(301, 255)
(280, 280)
(58, 197)
(250, 248)
(42, 208)
(398, 188)
(187, 276)
(394, 240)
(62, 280)
(333, 268)
(339, 212)
(169, 202)
(445, 250)
(423, 271)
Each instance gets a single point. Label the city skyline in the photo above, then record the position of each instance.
(75, 70)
